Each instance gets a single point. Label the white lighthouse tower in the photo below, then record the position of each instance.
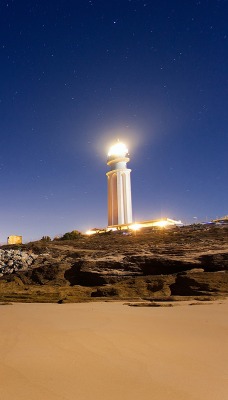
(119, 186)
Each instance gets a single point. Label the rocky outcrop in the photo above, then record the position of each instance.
(154, 265)
(96, 273)
(161, 276)
(12, 261)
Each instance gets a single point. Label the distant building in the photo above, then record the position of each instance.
(14, 239)
(153, 223)
(223, 220)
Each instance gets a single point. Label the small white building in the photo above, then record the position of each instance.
(14, 239)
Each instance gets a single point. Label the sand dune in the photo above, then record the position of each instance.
(111, 351)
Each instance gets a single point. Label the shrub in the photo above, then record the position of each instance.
(46, 239)
(71, 235)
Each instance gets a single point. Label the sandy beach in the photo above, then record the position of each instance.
(111, 351)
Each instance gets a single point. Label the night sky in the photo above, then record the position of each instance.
(77, 75)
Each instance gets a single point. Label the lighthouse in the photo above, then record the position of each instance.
(119, 186)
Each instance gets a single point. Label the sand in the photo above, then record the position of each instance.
(111, 351)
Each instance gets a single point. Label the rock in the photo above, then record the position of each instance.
(97, 273)
(200, 284)
(159, 287)
(195, 270)
(160, 265)
(105, 292)
(44, 274)
(12, 260)
(214, 262)
(10, 263)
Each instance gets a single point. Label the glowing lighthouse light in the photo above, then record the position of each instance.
(119, 186)
(119, 149)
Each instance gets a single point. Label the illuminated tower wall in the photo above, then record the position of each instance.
(119, 186)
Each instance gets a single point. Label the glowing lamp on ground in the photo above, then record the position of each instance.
(111, 229)
(90, 232)
(162, 224)
(135, 227)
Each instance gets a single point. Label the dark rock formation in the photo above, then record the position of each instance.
(150, 265)
(214, 262)
(44, 274)
(96, 273)
(200, 284)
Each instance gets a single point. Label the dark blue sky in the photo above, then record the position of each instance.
(75, 75)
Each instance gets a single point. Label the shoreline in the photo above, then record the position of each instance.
(175, 300)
